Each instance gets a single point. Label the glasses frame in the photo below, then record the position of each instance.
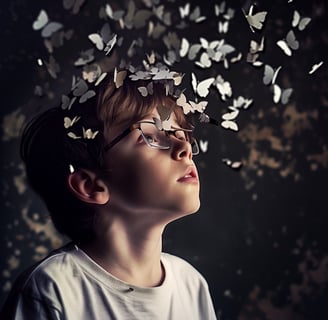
(136, 125)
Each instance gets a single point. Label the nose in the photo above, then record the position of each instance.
(181, 149)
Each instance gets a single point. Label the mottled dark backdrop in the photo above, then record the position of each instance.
(260, 237)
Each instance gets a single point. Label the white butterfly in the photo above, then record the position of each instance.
(282, 95)
(67, 102)
(191, 106)
(300, 22)
(223, 87)
(146, 90)
(221, 9)
(184, 11)
(86, 57)
(232, 164)
(204, 61)
(255, 20)
(218, 9)
(42, 23)
(203, 145)
(289, 43)
(91, 72)
(241, 102)
(230, 115)
(223, 27)
(89, 134)
(270, 74)
(75, 5)
(253, 54)
(184, 47)
(114, 15)
(105, 40)
(101, 78)
(80, 89)
(315, 67)
(193, 51)
(236, 58)
(198, 106)
(119, 77)
(229, 124)
(196, 15)
(68, 122)
(201, 88)
(73, 135)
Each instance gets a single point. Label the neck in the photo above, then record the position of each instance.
(131, 254)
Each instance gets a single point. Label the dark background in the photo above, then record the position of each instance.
(260, 238)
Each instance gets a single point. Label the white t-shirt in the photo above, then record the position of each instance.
(70, 285)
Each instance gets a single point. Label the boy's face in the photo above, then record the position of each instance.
(153, 185)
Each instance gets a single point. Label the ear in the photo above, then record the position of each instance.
(86, 186)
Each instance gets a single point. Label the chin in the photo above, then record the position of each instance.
(191, 208)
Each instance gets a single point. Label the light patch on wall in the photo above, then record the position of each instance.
(12, 124)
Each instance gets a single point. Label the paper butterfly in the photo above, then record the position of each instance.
(229, 124)
(300, 22)
(255, 20)
(114, 15)
(223, 87)
(191, 106)
(221, 10)
(42, 23)
(232, 164)
(253, 54)
(282, 95)
(88, 134)
(203, 145)
(223, 27)
(86, 57)
(68, 122)
(80, 89)
(288, 44)
(105, 40)
(315, 67)
(270, 74)
(75, 5)
(145, 91)
(201, 88)
(119, 77)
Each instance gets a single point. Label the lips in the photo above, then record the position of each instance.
(190, 175)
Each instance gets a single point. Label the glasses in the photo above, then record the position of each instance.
(156, 138)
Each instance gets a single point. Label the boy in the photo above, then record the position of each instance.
(113, 176)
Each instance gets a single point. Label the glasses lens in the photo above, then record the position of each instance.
(161, 139)
(154, 137)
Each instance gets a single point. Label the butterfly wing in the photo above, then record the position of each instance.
(50, 29)
(182, 102)
(230, 125)
(303, 23)
(203, 87)
(282, 44)
(286, 95)
(41, 20)
(96, 39)
(276, 93)
(291, 40)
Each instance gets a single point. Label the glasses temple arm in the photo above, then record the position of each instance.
(117, 139)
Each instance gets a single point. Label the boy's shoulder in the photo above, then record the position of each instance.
(57, 264)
